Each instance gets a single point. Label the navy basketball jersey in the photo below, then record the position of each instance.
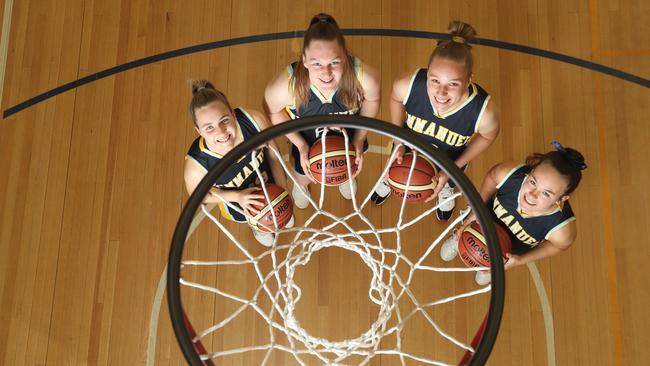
(451, 131)
(525, 231)
(320, 105)
(242, 174)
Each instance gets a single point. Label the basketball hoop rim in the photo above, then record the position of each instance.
(497, 293)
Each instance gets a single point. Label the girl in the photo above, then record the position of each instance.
(531, 202)
(220, 129)
(443, 105)
(326, 80)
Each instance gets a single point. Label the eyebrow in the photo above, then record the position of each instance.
(436, 76)
(546, 190)
(315, 59)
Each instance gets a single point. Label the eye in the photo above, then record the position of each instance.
(546, 194)
(533, 183)
(209, 128)
(454, 84)
(336, 63)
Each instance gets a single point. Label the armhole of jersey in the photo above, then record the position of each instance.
(408, 92)
(559, 226)
(358, 69)
(224, 211)
(479, 119)
(251, 119)
(500, 184)
(196, 162)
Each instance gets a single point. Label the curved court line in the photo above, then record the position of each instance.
(377, 149)
(160, 292)
(546, 311)
(295, 34)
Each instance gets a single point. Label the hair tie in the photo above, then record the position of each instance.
(458, 39)
(580, 165)
(200, 88)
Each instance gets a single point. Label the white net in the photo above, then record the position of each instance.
(380, 247)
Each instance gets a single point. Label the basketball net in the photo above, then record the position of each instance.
(386, 289)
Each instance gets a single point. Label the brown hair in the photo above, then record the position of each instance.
(204, 93)
(568, 162)
(456, 49)
(323, 27)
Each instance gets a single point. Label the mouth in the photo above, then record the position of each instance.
(528, 202)
(441, 100)
(326, 81)
(223, 139)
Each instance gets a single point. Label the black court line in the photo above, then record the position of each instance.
(295, 34)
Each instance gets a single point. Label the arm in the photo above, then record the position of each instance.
(370, 82)
(276, 98)
(397, 109)
(558, 242)
(487, 132)
(276, 168)
(489, 187)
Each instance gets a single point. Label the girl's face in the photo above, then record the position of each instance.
(217, 125)
(447, 82)
(543, 190)
(325, 61)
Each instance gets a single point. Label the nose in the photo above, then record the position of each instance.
(442, 90)
(534, 193)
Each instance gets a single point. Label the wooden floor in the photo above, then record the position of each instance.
(91, 184)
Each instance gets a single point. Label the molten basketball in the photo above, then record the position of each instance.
(282, 207)
(473, 249)
(420, 187)
(336, 167)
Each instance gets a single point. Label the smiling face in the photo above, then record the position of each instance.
(447, 82)
(216, 123)
(324, 60)
(542, 190)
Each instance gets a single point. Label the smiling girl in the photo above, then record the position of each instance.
(220, 129)
(531, 201)
(326, 79)
(444, 106)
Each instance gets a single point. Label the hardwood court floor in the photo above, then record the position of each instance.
(91, 183)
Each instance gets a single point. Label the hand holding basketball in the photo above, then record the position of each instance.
(358, 160)
(304, 162)
(513, 260)
(439, 180)
(279, 203)
(248, 199)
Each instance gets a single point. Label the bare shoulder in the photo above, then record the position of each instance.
(401, 85)
(501, 170)
(564, 236)
(276, 94)
(259, 118)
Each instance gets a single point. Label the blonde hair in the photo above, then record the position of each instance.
(456, 48)
(204, 93)
(323, 27)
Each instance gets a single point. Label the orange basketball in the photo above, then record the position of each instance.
(282, 206)
(336, 167)
(420, 186)
(473, 249)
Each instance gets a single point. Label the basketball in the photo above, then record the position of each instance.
(420, 187)
(282, 206)
(473, 249)
(336, 167)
